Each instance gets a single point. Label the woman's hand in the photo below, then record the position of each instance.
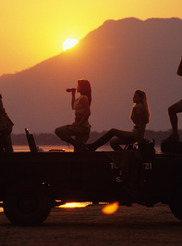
(73, 91)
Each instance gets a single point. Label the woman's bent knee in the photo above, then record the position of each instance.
(59, 132)
(112, 131)
(115, 144)
(175, 108)
(172, 110)
(56, 131)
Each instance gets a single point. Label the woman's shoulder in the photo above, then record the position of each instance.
(139, 105)
(83, 96)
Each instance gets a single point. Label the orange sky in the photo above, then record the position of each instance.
(32, 31)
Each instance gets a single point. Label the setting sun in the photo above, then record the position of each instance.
(69, 43)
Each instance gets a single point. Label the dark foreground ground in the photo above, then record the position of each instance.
(135, 225)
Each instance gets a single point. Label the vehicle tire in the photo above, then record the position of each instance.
(27, 204)
(175, 203)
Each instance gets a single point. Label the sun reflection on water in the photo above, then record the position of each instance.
(75, 205)
(107, 209)
(68, 205)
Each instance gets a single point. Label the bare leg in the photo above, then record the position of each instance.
(115, 144)
(174, 121)
(172, 111)
(7, 143)
(124, 136)
(64, 134)
(80, 134)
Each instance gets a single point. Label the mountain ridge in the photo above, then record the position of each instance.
(117, 57)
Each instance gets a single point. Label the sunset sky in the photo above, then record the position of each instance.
(32, 31)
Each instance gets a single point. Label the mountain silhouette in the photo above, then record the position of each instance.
(117, 58)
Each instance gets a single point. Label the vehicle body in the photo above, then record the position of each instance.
(31, 183)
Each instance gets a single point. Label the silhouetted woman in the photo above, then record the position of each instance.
(139, 115)
(5, 130)
(78, 133)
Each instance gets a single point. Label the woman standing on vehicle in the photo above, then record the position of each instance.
(139, 115)
(5, 130)
(80, 129)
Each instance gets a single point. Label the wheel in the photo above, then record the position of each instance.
(27, 204)
(175, 203)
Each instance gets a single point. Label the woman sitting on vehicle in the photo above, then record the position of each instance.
(80, 129)
(139, 115)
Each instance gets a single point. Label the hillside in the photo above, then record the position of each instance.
(117, 58)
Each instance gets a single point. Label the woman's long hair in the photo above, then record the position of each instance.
(85, 89)
(144, 101)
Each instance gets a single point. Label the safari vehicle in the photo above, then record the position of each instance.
(33, 182)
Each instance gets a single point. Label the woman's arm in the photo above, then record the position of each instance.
(73, 98)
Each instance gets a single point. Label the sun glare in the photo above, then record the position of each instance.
(110, 208)
(69, 43)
